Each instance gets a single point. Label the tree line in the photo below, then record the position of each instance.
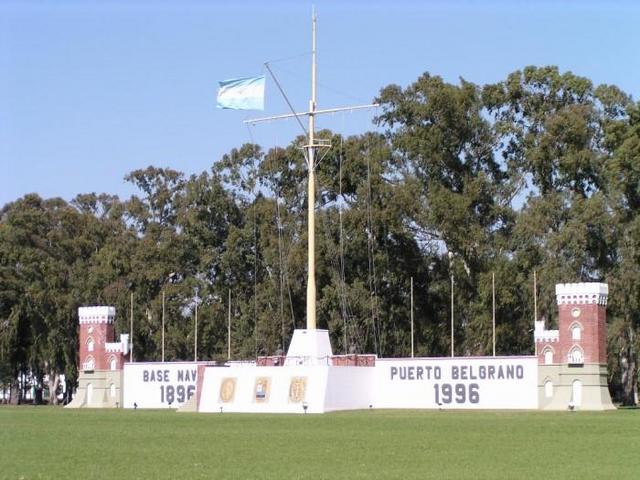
(536, 173)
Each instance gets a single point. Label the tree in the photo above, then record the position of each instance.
(537, 173)
(623, 176)
(443, 141)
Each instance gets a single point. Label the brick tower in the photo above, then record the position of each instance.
(100, 359)
(573, 359)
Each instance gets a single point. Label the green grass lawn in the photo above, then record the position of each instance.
(43, 442)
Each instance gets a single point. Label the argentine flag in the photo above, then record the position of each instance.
(242, 93)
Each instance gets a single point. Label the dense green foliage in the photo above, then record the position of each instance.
(540, 172)
(56, 443)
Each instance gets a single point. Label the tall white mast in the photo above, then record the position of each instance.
(311, 198)
(311, 148)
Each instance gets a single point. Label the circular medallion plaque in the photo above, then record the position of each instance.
(297, 389)
(227, 390)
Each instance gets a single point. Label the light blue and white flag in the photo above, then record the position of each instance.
(242, 93)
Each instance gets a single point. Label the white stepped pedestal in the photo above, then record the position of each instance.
(306, 383)
(309, 347)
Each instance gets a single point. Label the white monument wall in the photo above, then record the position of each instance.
(289, 388)
(242, 392)
(159, 385)
(456, 383)
(349, 388)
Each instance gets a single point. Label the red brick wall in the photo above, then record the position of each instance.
(353, 361)
(273, 361)
(541, 346)
(101, 334)
(592, 318)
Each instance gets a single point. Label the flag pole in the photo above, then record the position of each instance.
(411, 317)
(535, 307)
(195, 341)
(163, 325)
(535, 297)
(452, 305)
(131, 329)
(493, 291)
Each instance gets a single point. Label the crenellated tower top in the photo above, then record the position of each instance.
(100, 314)
(582, 293)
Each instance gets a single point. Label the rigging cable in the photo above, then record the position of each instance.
(348, 338)
(372, 264)
(280, 270)
(255, 269)
(296, 221)
(341, 243)
(337, 261)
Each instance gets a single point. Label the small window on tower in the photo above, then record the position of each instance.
(576, 333)
(576, 357)
(548, 356)
(90, 344)
(548, 389)
(89, 364)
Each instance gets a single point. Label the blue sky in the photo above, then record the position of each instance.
(90, 91)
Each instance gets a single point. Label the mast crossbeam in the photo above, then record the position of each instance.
(253, 121)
